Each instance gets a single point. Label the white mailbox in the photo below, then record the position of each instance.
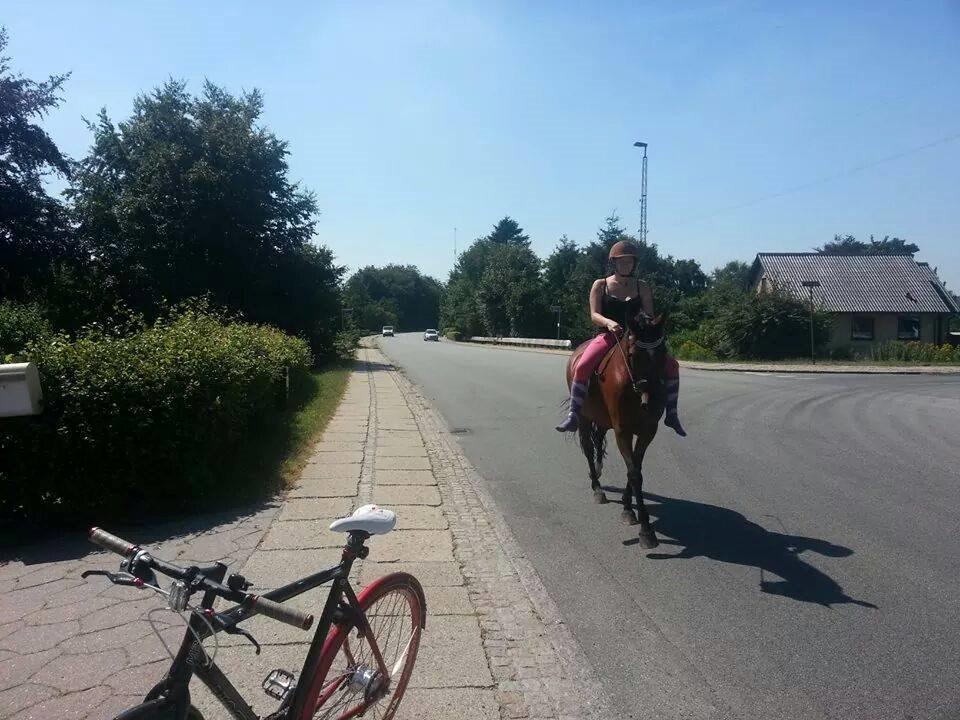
(20, 390)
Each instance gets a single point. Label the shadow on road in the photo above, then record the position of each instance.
(710, 531)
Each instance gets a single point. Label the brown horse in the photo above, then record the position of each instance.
(626, 395)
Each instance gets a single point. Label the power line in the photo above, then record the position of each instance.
(820, 181)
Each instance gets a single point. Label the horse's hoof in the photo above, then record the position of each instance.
(648, 540)
(599, 498)
(628, 518)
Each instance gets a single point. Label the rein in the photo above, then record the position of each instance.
(648, 346)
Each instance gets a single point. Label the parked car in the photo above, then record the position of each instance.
(387, 331)
(431, 335)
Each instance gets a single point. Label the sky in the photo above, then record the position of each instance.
(771, 126)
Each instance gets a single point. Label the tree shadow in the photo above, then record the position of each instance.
(710, 531)
(72, 544)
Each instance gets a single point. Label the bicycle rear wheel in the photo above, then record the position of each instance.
(347, 681)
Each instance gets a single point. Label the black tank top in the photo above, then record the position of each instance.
(620, 310)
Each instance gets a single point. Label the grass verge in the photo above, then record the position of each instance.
(273, 458)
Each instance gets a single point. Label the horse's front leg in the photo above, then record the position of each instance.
(648, 538)
(625, 445)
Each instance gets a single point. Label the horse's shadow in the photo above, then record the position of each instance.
(710, 531)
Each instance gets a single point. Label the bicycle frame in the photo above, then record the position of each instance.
(170, 698)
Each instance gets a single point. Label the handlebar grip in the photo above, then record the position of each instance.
(111, 542)
(283, 613)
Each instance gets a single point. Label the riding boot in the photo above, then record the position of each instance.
(672, 420)
(578, 393)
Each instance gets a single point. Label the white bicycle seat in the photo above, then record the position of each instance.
(371, 519)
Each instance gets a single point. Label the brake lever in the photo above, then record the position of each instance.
(235, 630)
(115, 578)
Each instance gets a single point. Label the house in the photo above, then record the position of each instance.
(873, 298)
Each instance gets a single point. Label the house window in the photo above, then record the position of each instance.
(908, 327)
(861, 328)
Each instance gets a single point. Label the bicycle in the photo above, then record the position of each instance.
(361, 656)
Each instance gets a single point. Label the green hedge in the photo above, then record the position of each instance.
(21, 324)
(141, 421)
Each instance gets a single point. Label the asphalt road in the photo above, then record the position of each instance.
(808, 565)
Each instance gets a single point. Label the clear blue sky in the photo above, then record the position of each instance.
(408, 119)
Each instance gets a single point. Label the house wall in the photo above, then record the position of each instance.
(884, 329)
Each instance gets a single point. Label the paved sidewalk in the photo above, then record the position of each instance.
(494, 646)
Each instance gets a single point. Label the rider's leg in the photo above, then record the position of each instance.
(584, 369)
(672, 376)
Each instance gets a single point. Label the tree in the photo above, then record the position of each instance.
(190, 196)
(413, 299)
(34, 232)
(849, 245)
(510, 293)
(508, 232)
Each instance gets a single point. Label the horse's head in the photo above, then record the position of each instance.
(646, 352)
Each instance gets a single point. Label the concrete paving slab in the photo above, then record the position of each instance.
(449, 704)
(448, 601)
(316, 508)
(451, 655)
(336, 458)
(406, 477)
(401, 450)
(414, 545)
(299, 535)
(430, 574)
(325, 487)
(269, 569)
(328, 446)
(396, 495)
(403, 463)
(324, 470)
(421, 517)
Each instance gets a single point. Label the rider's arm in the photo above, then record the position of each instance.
(596, 302)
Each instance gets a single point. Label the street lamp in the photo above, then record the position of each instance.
(643, 193)
(556, 309)
(811, 284)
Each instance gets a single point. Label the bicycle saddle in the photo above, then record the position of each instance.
(370, 519)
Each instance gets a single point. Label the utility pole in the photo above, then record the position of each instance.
(643, 193)
(811, 284)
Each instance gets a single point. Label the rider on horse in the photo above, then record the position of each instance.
(613, 300)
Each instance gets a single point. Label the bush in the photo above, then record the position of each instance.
(346, 343)
(21, 325)
(690, 350)
(452, 334)
(767, 326)
(145, 421)
(915, 352)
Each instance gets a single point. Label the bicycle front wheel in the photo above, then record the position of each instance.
(348, 681)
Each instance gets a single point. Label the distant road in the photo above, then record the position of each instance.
(814, 523)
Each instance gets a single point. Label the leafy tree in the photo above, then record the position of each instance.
(767, 325)
(190, 196)
(34, 232)
(510, 294)
(410, 299)
(849, 245)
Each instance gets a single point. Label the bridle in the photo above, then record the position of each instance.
(638, 386)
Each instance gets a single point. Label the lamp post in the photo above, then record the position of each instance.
(811, 284)
(556, 309)
(643, 193)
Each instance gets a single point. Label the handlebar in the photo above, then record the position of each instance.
(256, 603)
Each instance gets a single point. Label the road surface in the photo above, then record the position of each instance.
(808, 565)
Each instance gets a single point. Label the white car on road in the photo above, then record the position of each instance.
(387, 331)
(431, 335)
